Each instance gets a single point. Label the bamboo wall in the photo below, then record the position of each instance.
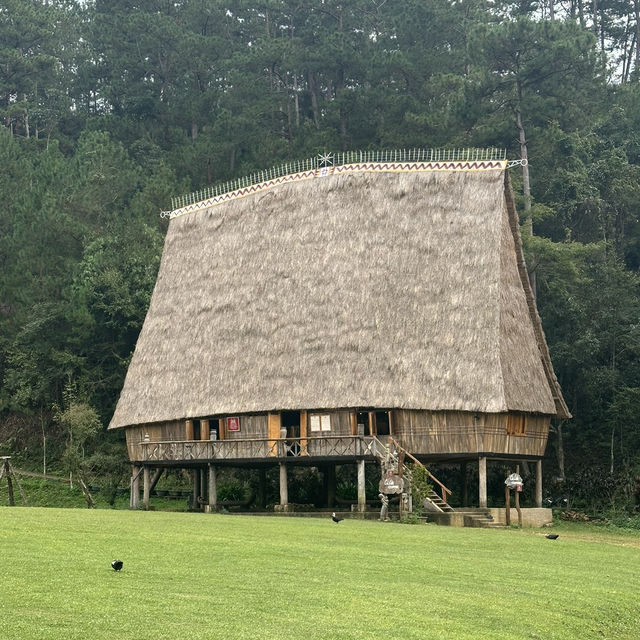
(420, 432)
(452, 432)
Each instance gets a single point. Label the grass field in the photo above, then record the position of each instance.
(189, 576)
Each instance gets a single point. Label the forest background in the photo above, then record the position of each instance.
(111, 107)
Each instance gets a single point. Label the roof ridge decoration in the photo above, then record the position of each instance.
(326, 164)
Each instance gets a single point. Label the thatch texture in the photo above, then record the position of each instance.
(367, 290)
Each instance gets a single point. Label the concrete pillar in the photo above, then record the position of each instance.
(146, 487)
(539, 483)
(482, 482)
(284, 489)
(134, 502)
(213, 489)
(362, 496)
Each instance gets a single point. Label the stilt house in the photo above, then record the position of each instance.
(309, 315)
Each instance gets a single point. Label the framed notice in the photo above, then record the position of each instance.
(233, 424)
(314, 423)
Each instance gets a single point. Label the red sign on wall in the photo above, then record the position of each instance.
(233, 424)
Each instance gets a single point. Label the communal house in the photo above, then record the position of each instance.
(312, 314)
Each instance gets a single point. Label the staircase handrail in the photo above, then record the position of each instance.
(444, 491)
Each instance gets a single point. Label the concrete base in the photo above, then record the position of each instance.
(531, 517)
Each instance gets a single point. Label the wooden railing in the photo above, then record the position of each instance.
(252, 448)
(444, 491)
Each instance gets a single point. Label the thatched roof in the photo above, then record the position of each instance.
(366, 289)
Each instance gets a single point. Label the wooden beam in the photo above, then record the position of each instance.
(353, 417)
(372, 423)
(189, 430)
(222, 432)
(204, 429)
(390, 414)
(156, 477)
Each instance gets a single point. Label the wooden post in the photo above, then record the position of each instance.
(304, 432)
(465, 484)
(372, 423)
(507, 505)
(353, 422)
(213, 488)
(518, 500)
(539, 484)
(482, 482)
(203, 483)
(204, 429)
(273, 432)
(262, 488)
(284, 489)
(134, 502)
(362, 496)
(196, 488)
(7, 473)
(189, 430)
(222, 433)
(330, 471)
(146, 480)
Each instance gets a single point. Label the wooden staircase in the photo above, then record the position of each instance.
(394, 454)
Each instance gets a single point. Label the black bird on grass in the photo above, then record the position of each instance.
(335, 518)
(116, 565)
(551, 536)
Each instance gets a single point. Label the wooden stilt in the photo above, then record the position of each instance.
(362, 496)
(482, 482)
(262, 488)
(518, 500)
(146, 483)
(134, 500)
(204, 483)
(331, 484)
(539, 483)
(213, 488)
(284, 489)
(464, 484)
(196, 488)
(154, 481)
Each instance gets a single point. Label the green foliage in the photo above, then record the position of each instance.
(420, 486)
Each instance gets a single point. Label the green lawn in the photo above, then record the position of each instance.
(218, 576)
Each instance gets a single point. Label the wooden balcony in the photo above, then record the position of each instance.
(193, 451)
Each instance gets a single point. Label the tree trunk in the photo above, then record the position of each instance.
(636, 10)
(313, 90)
(560, 452)
(526, 184)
